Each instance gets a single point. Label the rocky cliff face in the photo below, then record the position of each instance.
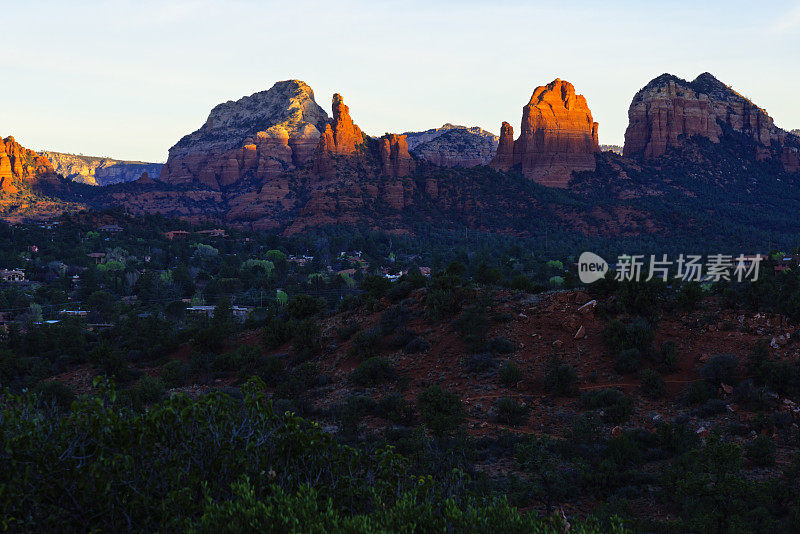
(258, 136)
(668, 111)
(557, 136)
(98, 170)
(453, 145)
(20, 166)
(342, 136)
(395, 159)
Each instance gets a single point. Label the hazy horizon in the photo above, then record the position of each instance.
(128, 79)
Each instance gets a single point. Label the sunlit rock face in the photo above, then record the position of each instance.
(258, 136)
(20, 166)
(453, 146)
(669, 111)
(100, 171)
(557, 137)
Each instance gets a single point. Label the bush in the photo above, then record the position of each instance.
(374, 371)
(510, 374)
(699, 393)
(393, 408)
(151, 389)
(628, 361)
(560, 379)
(638, 334)
(304, 306)
(173, 374)
(55, 393)
(653, 385)
(365, 344)
(440, 410)
(712, 407)
(417, 344)
(510, 412)
(761, 451)
(307, 338)
(669, 355)
(480, 363)
(276, 333)
(616, 406)
(721, 368)
(473, 325)
(392, 319)
(500, 345)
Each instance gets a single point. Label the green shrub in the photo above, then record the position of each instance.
(653, 385)
(628, 361)
(510, 412)
(276, 333)
(307, 338)
(365, 344)
(616, 406)
(373, 371)
(500, 345)
(560, 379)
(304, 306)
(473, 325)
(719, 369)
(761, 451)
(440, 410)
(669, 355)
(173, 374)
(510, 374)
(699, 393)
(393, 408)
(638, 334)
(55, 393)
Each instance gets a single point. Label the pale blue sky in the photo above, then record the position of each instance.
(128, 79)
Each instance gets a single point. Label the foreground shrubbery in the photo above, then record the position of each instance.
(219, 464)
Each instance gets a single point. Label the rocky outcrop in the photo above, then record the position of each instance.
(395, 159)
(341, 136)
(453, 145)
(100, 171)
(669, 111)
(504, 158)
(258, 136)
(20, 166)
(557, 136)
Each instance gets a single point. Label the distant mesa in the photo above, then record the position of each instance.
(453, 146)
(95, 170)
(557, 136)
(669, 111)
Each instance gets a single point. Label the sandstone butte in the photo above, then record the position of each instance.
(669, 110)
(266, 134)
(19, 166)
(557, 136)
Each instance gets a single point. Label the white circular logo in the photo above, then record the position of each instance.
(591, 267)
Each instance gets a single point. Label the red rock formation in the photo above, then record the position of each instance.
(395, 159)
(504, 159)
(669, 110)
(342, 136)
(557, 136)
(259, 136)
(19, 164)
